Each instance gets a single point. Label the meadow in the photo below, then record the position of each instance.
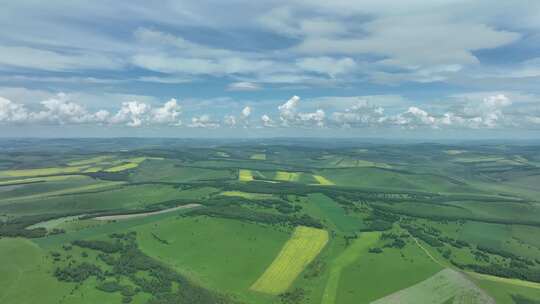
(271, 222)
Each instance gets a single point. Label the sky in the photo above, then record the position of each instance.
(342, 68)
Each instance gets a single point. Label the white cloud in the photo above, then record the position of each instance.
(289, 115)
(287, 111)
(267, 121)
(361, 114)
(168, 113)
(31, 58)
(246, 112)
(327, 65)
(316, 118)
(229, 120)
(243, 86)
(203, 121)
(132, 113)
(12, 112)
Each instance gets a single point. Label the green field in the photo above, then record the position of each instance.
(181, 222)
(303, 246)
(221, 254)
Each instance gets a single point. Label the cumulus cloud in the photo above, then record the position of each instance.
(229, 120)
(287, 111)
(476, 112)
(12, 112)
(241, 120)
(167, 114)
(316, 118)
(360, 114)
(246, 111)
(267, 121)
(290, 116)
(203, 121)
(61, 110)
(132, 113)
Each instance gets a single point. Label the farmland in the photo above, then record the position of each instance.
(273, 222)
(303, 246)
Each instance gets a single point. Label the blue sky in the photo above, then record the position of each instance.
(341, 68)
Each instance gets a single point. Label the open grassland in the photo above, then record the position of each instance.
(247, 195)
(353, 252)
(503, 290)
(373, 276)
(36, 180)
(245, 175)
(372, 177)
(258, 156)
(130, 164)
(509, 281)
(331, 213)
(41, 171)
(25, 274)
(303, 246)
(73, 190)
(323, 180)
(54, 223)
(128, 216)
(122, 167)
(287, 176)
(221, 254)
(89, 161)
(127, 197)
(447, 286)
(171, 171)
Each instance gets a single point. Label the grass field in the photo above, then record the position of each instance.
(258, 156)
(245, 175)
(25, 278)
(36, 180)
(332, 222)
(89, 161)
(72, 190)
(333, 215)
(447, 286)
(303, 246)
(323, 180)
(345, 259)
(247, 195)
(361, 281)
(40, 171)
(222, 254)
(287, 176)
(502, 289)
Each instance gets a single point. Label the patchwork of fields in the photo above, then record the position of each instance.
(174, 222)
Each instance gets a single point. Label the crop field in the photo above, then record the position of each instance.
(247, 195)
(287, 176)
(272, 222)
(245, 175)
(303, 246)
(40, 171)
(323, 180)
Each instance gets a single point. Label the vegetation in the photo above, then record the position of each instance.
(303, 246)
(281, 222)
